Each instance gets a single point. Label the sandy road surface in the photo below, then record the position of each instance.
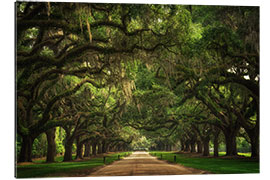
(141, 163)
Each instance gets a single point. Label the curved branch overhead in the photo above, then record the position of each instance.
(127, 75)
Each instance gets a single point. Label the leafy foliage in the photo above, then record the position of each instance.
(121, 76)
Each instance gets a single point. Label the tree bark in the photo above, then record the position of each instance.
(216, 144)
(163, 147)
(254, 146)
(99, 148)
(26, 149)
(118, 147)
(253, 134)
(192, 145)
(166, 147)
(87, 148)
(68, 150)
(111, 148)
(206, 146)
(230, 138)
(254, 141)
(104, 146)
(199, 146)
(216, 141)
(79, 151)
(94, 148)
(182, 145)
(51, 148)
(187, 146)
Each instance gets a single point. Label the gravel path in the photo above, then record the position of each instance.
(141, 163)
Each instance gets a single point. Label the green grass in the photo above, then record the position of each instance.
(245, 154)
(224, 153)
(214, 165)
(57, 159)
(60, 169)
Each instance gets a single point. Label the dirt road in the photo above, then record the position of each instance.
(141, 163)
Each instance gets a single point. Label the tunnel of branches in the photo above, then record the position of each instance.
(97, 78)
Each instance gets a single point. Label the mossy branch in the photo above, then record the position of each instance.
(51, 103)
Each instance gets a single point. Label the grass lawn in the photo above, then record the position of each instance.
(214, 165)
(63, 169)
(224, 153)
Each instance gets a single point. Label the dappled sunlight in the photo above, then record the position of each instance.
(95, 81)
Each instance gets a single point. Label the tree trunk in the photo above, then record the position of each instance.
(216, 142)
(254, 146)
(253, 135)
(230, 138)
(94, 148)
(166, 147)
(111, 148)
(163, 147)
(192, 145)
(51, 148)
(26, 149)
(187, 146)
(99, 148)
(104, 146)
(122, 147)
(68, 150)
(87, 148)
(206, 146)
(199, 147)
(182, 145)
(254, 141)
(79, 151)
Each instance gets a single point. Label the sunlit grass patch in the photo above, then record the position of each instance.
(60, 169)
(213, 165)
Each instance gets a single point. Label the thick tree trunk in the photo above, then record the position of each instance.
(94, 148)
(192, 145)
(199, 147)
(255, 146)
(254, 141)
(187, 148)
(51, 148)
(253, 135)
(99, 148)
(182, 145)
(166, 147)
(26, 149)
(112, 148)
(206, 146)
(230, 138)
(79, 151)
(163, 147)
(104, 146)
(87, 149)
(68, 150)
(118, 148)
(160, 146)
(122, 147)
(216, 142)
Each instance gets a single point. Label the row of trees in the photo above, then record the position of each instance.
(210, 87)
(73, 67)
(107, 73)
